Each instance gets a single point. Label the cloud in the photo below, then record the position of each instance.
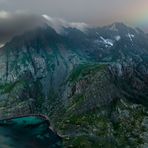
(12, 24)
(1, 45)
(58, 24)
(3, 1)
(4, 14)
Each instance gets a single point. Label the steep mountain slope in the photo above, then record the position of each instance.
(93, 85)
(100, 113)
(35, 66)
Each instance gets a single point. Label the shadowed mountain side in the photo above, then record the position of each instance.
(92, 85)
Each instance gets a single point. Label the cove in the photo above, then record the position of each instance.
(28, 132)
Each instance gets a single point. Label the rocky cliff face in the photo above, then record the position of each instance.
(93, 85)
(100, 112)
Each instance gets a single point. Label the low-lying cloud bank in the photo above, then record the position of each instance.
(16, 23)
(58, 24)
(12, 24)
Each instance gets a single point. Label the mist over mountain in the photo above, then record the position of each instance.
(12, 24)
(74, 74)
(92, 83)
(17, 23)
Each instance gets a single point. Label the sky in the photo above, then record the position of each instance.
(26, 13)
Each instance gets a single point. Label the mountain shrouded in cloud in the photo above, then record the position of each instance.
(93, 86)
(12, 24)
(93, 12)
(58, 24)
(14, 19)
(90, 81)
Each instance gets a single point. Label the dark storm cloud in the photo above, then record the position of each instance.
(14, 24)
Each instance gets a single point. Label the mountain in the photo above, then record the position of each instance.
(92, 85)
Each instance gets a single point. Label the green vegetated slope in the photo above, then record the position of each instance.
(93, 86)
(98, 113)
(94, 109)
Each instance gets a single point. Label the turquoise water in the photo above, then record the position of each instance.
(28, 132)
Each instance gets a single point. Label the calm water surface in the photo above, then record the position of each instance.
(28, 132)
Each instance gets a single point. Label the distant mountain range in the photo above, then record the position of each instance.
(93, 85)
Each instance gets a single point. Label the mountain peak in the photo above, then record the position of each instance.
(40, 35)
(118, 26)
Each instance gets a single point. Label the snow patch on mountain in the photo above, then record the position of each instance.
(107, 41)
(131, 36)
(117, 38)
